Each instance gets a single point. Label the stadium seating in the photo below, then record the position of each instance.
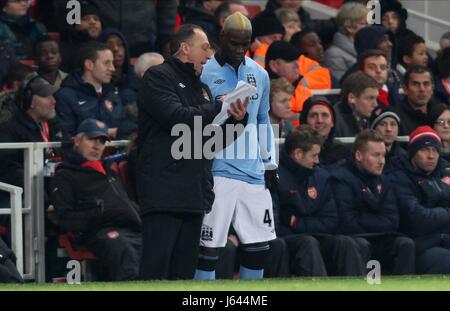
(83, 255)
(253, 10)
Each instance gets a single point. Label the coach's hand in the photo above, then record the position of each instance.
(238, 109)
(271, 179)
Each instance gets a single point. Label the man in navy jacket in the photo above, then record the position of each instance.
(367, 207)
(422, 184)
(308, 215)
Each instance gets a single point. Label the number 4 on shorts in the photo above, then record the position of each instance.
(267, 219)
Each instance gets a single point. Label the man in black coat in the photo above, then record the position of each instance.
(308, 214)
(174, 193)
(367, 207)
(418, 86)
(422, 184)
(90, 201)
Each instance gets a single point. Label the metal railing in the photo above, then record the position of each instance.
(30, 246)
(16, 221)
(33, 239)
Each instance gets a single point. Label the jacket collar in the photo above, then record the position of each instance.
(300, 172)
(185, 68)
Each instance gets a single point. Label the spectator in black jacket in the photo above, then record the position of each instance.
(442, 80)
(386, 122)
(308, 215)
(439, 120)
(367, 207)
(319, 114)
(88, 93)
(172, 94)
(74, 36)
(418, 86)
(359, 98)
(124, 77)
(90, 201)
(422, 184)
(35, 121)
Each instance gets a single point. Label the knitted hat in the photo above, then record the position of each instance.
(379, 114)
(396, 6)
(422, 137)
(313, 101)
(266, 23)
(88, 8)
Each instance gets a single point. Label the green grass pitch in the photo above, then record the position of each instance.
(403, 283)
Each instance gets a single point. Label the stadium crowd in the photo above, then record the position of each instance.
(132, 70)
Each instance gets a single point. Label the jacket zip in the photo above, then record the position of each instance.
(111, 181)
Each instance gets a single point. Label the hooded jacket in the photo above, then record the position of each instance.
(332, 151)
(21, 33)
(366, 203)
(78, 100)
(128, 85)
(368, 38)
(424, 201)
(305, 194)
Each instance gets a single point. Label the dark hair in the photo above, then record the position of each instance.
(416, 70)
(40, 41)
(364, 137)
(19, 72)
(297, 38)
(356, 83)
(366, 54)
(89, 51)
(184, 34)
(24, 96)
(406, 46)
(224, 9)
(435, 112)
(303, 137)
(443, 63)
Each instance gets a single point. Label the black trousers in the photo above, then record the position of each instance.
(396, 254)
(322, 255)
(170, 245)
(118, 252)
(433, 256)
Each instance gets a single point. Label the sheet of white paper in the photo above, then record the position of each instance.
(241, 91)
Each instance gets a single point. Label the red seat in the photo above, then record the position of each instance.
(2, 230)
(29, 62)
(253, 10)
(65, 240)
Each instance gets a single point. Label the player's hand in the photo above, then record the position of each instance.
(238, 109)
(271, 179)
